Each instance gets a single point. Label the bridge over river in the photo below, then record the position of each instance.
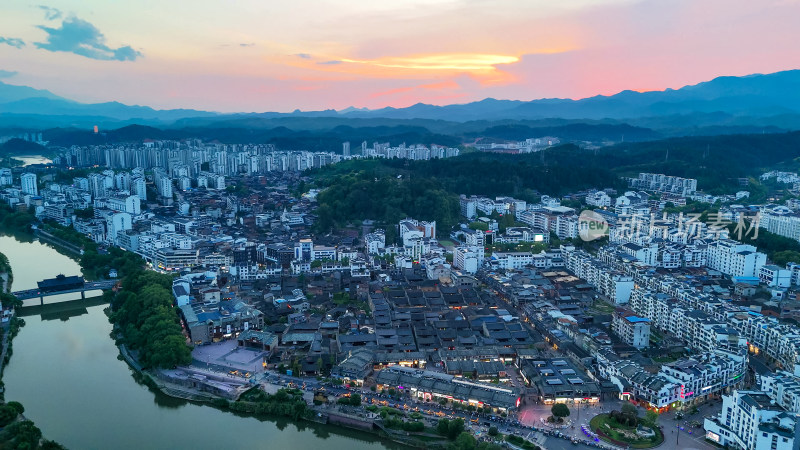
(56, 286)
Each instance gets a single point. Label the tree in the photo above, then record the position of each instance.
(355, 400)
(560, 410)
(24, 435)
(443, 427)
(465, 441)
(628, 408)
(786, 256)
(493, 431)
(17, 406)
(479, 226)
(455, 427)
(651, 417)
(7, 415)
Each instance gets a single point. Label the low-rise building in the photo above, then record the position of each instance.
(428, 386)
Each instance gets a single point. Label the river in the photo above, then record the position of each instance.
(66, 372)
(37, 159)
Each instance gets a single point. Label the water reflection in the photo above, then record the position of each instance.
(37, 159)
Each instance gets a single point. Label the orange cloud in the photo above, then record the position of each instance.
(458, 62)
(407, 67)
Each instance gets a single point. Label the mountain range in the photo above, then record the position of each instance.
(754, 101)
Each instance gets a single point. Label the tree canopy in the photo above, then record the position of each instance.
(144, 313)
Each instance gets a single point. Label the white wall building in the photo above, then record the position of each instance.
(632, 329)
(464, 258)
(749, 420)
(29, 185)
(735, 259)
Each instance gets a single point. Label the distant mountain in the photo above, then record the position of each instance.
(18, 101)
(12, 93)
(754, 103)
(752, 95)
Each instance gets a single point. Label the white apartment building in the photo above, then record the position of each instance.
(411, 229)
(130, 204)
(775, 276)
(735, 259)
(765, 335)
(787, 225)
(512, 260)
(599, 199)
(749, 420)
(375, 242)
(794, 272)
(469, 206)
(475, 240)
(163, 183)
(115, 223)
(632, 329)
(645, 254)
(565, 226)
(322, 252)
(784, 388)
(703, 376)
(635, 383)
(614, 284)
(664, 183)
(28, 184)
(6, 177)
(683, 319)
(466, 259)
(682, 382)
(139, 188)
(416, 247)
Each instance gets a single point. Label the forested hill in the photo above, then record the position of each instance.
(16, 146)
(716, 161)
(389, 190)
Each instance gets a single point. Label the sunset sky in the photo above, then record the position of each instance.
(271, 55)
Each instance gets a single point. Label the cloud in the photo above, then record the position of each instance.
(330, 63)
(303, 55)
(14, 42)
(7, 73)
(50, 13)
(84, 39)
(246, 44)
(465, 62)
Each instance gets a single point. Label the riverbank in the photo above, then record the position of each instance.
(17, 431)
(5, 274)
(52, 239)
(314, 414)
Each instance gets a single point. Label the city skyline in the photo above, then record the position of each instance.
(278, 57)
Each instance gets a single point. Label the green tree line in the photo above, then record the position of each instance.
(143, 311)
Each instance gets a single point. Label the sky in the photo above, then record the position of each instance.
(272, 55)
